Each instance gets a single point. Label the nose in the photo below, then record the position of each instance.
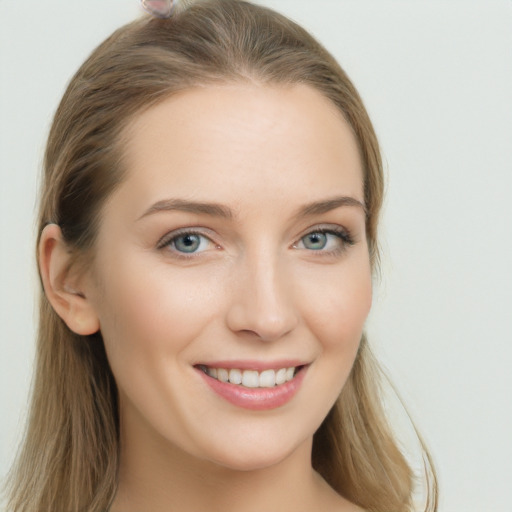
(262, 303)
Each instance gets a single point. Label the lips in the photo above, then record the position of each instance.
(247, 386)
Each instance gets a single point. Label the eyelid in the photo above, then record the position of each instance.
(345, 236)
(326, 228)
(341, 232)
(170, 236)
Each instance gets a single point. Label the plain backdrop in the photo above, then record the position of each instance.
(436, 77)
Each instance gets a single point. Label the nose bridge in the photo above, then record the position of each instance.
(262, 302)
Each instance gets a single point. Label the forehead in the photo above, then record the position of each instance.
(242, 141)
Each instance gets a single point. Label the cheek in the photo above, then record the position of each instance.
(335, 311)
(152, 313)
(337, 308)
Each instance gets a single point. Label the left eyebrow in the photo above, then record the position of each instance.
(319, 207)
(219, 210)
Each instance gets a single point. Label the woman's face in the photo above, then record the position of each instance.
(235, 249)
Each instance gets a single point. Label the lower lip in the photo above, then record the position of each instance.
(256, 399)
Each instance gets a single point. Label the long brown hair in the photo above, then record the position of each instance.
(69, 458)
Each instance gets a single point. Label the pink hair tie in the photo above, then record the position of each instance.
(158, 8)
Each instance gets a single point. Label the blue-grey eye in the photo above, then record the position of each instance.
(315, 241)
(188, 242)
(325, 241)
(185, 243)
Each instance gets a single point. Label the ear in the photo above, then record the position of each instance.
(63, 285)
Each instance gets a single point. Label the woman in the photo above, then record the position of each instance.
(208, 233)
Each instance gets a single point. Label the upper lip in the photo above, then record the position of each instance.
(260, 366)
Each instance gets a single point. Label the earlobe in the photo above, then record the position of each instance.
(63, 284)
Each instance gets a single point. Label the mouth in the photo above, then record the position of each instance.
(254, 386)
(252, 379)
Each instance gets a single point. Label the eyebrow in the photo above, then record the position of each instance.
(219, 210)
(319, 207)
(211, 209)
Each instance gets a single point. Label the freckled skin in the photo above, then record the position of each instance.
(253, 291)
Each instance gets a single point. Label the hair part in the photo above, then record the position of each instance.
(69, 458)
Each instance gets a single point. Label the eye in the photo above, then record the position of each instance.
(315, 241)
(186, 243)
(325, 240)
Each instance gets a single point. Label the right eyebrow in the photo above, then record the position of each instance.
(212, 209)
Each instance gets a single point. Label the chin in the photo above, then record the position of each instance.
(251, 462)
(251, 455)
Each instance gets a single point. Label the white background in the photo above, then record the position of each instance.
(436, 77)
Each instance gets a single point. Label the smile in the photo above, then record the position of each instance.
(251, 378)
(249, 388)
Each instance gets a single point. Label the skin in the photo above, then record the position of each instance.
(255, 289)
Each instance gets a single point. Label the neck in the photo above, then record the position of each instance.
(163, 480)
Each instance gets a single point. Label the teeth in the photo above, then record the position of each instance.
(252, 378)
(235, 376)
(222, 375)
(267, 379)
(281, 376)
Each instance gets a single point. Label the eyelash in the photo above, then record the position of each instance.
(344, 236)
(171, 238)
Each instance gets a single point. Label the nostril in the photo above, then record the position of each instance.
(263, 316)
